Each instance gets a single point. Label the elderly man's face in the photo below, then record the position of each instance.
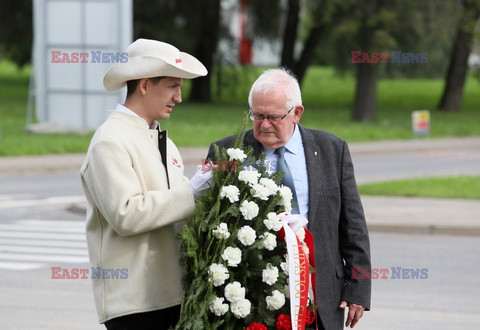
(271, 134)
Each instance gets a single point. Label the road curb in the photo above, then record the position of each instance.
(408, 229)
(387, 147)
(81, 209)
(193, 155)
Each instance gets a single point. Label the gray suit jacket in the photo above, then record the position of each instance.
(336, 220)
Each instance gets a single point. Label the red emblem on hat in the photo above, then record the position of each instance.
(178, 60)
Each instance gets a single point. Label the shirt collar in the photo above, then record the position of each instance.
(294, 145)
(126, 110)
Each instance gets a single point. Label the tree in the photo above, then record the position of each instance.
(452, 95)
(206, 41)
(370, 26)
(317, 18)
(16, 31)
(375, 27)
(365, 102)
(192, 26)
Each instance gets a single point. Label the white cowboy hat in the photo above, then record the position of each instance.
(150, 58)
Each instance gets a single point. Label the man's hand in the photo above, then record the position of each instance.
(355, 312)
(200, 181)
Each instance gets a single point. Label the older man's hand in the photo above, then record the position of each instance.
(355, 312)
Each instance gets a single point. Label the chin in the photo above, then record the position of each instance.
(268, 143)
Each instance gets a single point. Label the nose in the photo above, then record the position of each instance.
(177, 97)
(265, 123)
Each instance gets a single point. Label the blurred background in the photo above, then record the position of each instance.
(236, 40)
(398, 80)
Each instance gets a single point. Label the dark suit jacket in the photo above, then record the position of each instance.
(336, 220)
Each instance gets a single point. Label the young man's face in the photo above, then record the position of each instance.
(161, 97)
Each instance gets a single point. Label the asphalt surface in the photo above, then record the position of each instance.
(389, 214)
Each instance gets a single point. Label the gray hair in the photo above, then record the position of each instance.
(278, 78)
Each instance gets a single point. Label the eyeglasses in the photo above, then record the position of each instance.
(272, 119)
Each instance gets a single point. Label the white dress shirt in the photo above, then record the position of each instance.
(295, 158)
(126, 110)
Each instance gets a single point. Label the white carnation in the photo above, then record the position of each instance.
(284, 266)
(218, 307)
(249, 210)
(246, 235)
(231, 192)
(260, 191)
(249, 177)
(221, 232)
(300, 234)
(269, 184)
(234, 292)
(275, 301)
(218, 274)
(232, 255)
(270, 274)
(287, 291)
(236, 154)
(273, 222)
(286, 194)
(241, 308)
(269, 241)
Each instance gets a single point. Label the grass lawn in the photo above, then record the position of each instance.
(327, 98)
(451, 187)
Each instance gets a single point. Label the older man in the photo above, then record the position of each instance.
(136, 191)
(319, 170)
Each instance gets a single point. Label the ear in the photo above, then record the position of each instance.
(143, 85)
(297, 113)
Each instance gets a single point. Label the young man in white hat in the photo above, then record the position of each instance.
(136, 191)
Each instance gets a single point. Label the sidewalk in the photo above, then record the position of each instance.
(393, 214)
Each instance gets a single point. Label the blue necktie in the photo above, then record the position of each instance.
(287, 179)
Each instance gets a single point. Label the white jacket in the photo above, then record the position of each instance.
(131, 215)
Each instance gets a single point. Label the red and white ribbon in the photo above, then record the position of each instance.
(298, 269)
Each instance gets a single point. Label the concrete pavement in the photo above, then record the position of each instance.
(399, 214)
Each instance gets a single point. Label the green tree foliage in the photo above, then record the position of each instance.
(380, 26)
(308, 22)
(406, 26)
(452, 95)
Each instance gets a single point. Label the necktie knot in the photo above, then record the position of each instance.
(280, 151)
(287, 178)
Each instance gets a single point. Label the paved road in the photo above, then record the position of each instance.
(447, 299)
(40, 230)
(419, 164)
